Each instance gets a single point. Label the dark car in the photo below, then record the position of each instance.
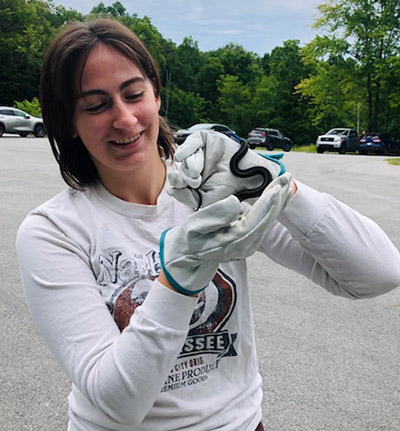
(269, 138)
(181, 135)
(382, 143)
(340, 139)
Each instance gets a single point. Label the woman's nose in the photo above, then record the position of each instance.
(123, 116)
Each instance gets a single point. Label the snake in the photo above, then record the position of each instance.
(249, 172)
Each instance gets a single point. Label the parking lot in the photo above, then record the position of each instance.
(328, 363)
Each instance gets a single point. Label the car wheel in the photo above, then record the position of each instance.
(320, 150)
(287, 147)
(270, 147)
(252, 146)
(343, 148)
(39, 131)
(2, 129)
(23, 135)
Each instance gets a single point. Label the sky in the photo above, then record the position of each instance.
(257, 25)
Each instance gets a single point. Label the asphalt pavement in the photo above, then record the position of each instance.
(328, 363)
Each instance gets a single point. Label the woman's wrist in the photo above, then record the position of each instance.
(293, 185)
(163, 280)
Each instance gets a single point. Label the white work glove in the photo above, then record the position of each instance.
(204, 175)
(191, 253)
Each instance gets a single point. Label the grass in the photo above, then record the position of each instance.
(395, 161)
(305, 148)
(312, 148)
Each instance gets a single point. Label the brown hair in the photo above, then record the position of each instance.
(64, 57)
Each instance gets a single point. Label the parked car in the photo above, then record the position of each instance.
(269, 138)
(14, 120)
(181, 135)
(379, 143)
(340, 140)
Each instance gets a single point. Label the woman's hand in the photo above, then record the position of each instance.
(204, 174)
(191, 253)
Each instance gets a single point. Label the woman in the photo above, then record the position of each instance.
(157, 334)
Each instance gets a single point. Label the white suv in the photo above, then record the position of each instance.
(340, 140)
(14, 120)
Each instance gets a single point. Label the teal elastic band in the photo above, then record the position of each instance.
(276, 159)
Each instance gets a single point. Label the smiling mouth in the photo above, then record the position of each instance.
(126, 141)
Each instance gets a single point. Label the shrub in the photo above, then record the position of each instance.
(32, 108)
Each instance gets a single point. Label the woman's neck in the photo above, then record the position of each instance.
(141, 186)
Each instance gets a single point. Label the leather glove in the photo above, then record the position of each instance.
(191, 253)
(204, 175)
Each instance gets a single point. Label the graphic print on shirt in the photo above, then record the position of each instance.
(130, 279)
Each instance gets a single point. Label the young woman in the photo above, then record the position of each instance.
(144, 301)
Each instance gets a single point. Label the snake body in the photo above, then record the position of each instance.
(249, 172)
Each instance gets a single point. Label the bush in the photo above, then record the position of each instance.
(32, 108)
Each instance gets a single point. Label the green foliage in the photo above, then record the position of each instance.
(348, 75)
(238, 62)
(331, 88)
(185, 108)
(368, 31)
(116, 10)
(235, 103)
(275, 102)
(26, 28)
(395, 162)
(32, 107)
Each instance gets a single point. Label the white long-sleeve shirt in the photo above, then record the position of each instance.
(142, 357)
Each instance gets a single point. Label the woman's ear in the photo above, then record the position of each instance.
(74, 132)
(158, 101)
(156, 95)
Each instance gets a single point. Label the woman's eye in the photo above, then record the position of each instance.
(135, 96)
(95, 108)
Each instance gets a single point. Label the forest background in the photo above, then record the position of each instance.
(347, 76)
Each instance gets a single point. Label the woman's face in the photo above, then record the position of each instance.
(116, 114)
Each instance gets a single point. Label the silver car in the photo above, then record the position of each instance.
(340, 140)
(14, 120)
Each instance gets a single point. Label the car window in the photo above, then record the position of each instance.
(353, 133)
(7, 112)
(273, 132)
(19, 113)
(341, 132)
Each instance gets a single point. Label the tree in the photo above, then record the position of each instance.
(239, 62)
(185, 64)
(235, 104)
(331, 88)
(185, 108)
(25, 30)
(116, 10)
(275, 102)
(370, 33)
